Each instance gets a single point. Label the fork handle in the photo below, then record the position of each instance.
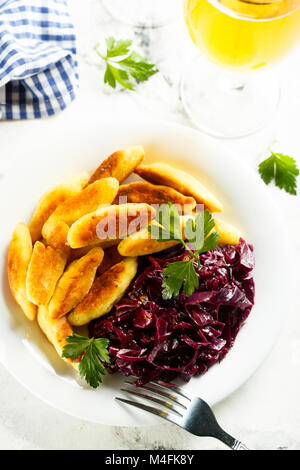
(230, 441)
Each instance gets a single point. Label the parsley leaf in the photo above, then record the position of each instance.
(123, 66)
(77, 345)
(117, 48)
(139, 67)
(177, 274)
(94, 354)
(282, 169)
(209, 243)
(90, 366)
(200, 238)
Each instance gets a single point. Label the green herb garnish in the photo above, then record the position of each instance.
(94, 354)
(123, 66)
(282, 169)
(198, 240)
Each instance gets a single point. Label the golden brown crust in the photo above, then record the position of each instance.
(75, 283)
(119, 165)
(107, 290)
(19, 255)
(153, 194)
(121, 219)
(49, 202)
(45, 208)
(45, 268)
(161, 173)
(56, 330)
(88, 200)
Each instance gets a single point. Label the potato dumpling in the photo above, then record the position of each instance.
(161, 173)
(19, 255)
(141, 191)
(56, 330)
(88, 200)
(109, 223)
(141, 244)
(106, 291)
(120, 164)
(46, 266)
(50, 200)
(75, 283)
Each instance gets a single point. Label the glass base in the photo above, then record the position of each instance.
(228, 105)
(145, 13)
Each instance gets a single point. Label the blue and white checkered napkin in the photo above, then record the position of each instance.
(38, 67)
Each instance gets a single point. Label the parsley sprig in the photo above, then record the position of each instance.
(282, 169)
(123, 66)
(94, 354)
(168, 227)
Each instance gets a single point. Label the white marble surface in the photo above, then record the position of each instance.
(265, 412)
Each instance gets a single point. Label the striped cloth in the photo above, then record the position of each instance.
(38, 67)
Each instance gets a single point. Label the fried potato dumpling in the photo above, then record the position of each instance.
(56, 330)
(50, 200)
(45, 268)
(19, 255)
(88, 200)
(153, 194)
(109, 223)
(111, 257)
(229, 235)
(141, 244)
(120, 164)
(161, 173)
(57, 237)
(75, 283)
(106, 291)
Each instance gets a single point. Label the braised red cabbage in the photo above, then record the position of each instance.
(152, 338)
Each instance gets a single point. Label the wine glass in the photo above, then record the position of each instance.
(243, 37)
(144, 13)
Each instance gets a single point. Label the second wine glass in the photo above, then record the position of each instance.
(144, 13)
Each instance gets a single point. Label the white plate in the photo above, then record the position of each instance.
(50, 154)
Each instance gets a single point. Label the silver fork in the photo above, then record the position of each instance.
(185, 409)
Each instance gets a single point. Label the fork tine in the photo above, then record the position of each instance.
(163, 414)
(176, 389)
(175, 398)
(166, 404)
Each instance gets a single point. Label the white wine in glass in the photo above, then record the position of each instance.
(242, 38)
